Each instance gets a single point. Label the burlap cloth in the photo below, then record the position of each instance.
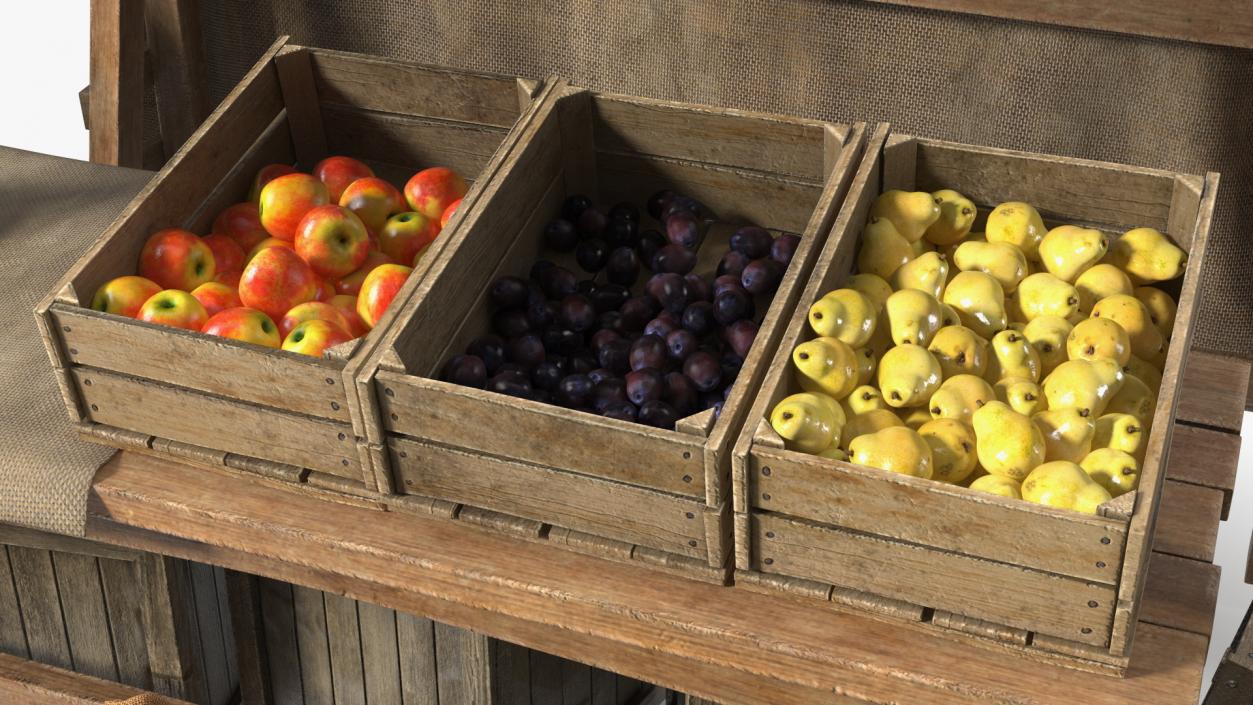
(1097, 95)
(51, 210)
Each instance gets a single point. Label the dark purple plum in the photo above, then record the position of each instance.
(609, 297)
(583, 362)
(599, 375)
(698, 288)
(740, 336)
(658, 414)
(591, 222)
(733, 305)
(611, 320)
(513, 385)
(622, 233)
(490, 349)
(466, 370)
(538, 268)
(592, 254)
(574, 205)
(525, 350)
(733, 263)
(610, 391)
(727, 281)
(649, 242)
(622, 411)
(560, 235)
(561, 341)
(577, 313)
(648, 351)
(574, 391)
(699, 318)
(511, 323)
(731, 364)
(680, 204)
(587, 286)
(661, 325)
(704, 370)
(683, 229)
(515, 369)
(558, 282)
(751, 241)
(681, 393)
(540, 313)
(658, 202)
(625, 210)
(681, 343)
(546, 375)
(673, 258)
(638, 311)
(644, 385)
(510, 292)
(762, 276)
(623, 266)
(602, 336)
(615, 356)
(669, 290)
(783, 248)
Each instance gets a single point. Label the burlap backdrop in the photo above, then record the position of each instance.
(1098, 95)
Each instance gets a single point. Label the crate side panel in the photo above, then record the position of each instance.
(464, 148)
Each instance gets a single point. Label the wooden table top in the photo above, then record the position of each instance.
(725, 644)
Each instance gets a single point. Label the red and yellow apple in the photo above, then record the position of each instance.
(174, 308)
(351, 284)
(246, 324)
(124, 295)
(326, 290)
(431, 191)
(333, 240)
(176, 259)
(448, 213)
(268, 242)
(228, 256)
(275, 280)
(265, 175)
(242, 224)
(216, 297)
(309, 311)
(405, 234)
(338, 172)
(285, 200)
(347, 305)
(378, 290)
(373, 200)
(314, 336)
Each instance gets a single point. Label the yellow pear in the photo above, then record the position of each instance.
(1161, 307)
(908, 375)
(1012, 356)
(1098, 338)
(927, 273)
(1018, 224)
(1099, 282)
(1149, 374)
(834, 453)
(895, 449)
(862, 399)
(1048, 334)
(867, 362)
(914, 416)
(957, 214)
(1083, 385)
(1007, 442)
(883, 250)
(868, 422)
(921, 247)
(950, 251)
(875, 287)
(826, 365)
(1069, 250)
(1002, 261)
(959, 397)
(1064, 485)
(1067, 434)
(912, 212)
(1147, 256)
(913, 317)
(979, 301)
(809, 423)
(1121, 432)
(881, 340)
(948, 315)
(999, 486)
(959, 351)
(1116, 471)
(1045, 295)
(1021, 394)
(846, 314)
(1135, 398)
(952, 444)
(1130, 313)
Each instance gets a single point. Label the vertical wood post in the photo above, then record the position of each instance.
(117, 82)
(178, 67)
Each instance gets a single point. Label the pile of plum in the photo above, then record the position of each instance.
(604, 343)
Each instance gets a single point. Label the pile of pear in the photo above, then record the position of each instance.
(1020, 361)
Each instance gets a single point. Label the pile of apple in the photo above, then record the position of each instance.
(309, 261)
(1022, 361)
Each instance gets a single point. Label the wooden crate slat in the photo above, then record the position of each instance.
(314, 645)
(229, 646)
(273, 146)
(1205, 457)
(86, 618)
(415, 638)
(343, 631)
(463, 658)
(41, 609)
(1180, 593)
(12, 631)
(420, 143)
(300, 96)
(380, 654)
(34, 683)
(283, 655)
(1214, 391)
(1187, 523)
(214, 656)
(546, 684)
(126, 626)
(604, 687)
(511, 674)
(576, 682)
(175, 655)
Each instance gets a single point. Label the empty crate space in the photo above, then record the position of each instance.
(607, 485)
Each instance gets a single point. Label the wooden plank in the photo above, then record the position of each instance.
(1207, 21)
(228, 632)
(300, 96)
(929, 513)
(415, 643)
(284, 659)
(729, 645)
(463, 657)
(117, 81)
(1187, 522)
(380, 654)
(576, 683)
(183, 415)
(1180, 593)
(212, 637)
(510, 674)
(314, 646)
(574, 501)
(416, 142)
(273, 146)
(86, 618)
(1214, 391)
(1201, 456)
(36, 585)
(410, 89)
(12, 631)
(178, 63)
(126, 622)
(174, 653)
(31, 538)
(344, 634)
(604, 688)
(248, 636)
(1233, 680)
(33, 683)
(545, 679)
(1066, 608)
(542, 433)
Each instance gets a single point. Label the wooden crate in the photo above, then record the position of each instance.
(1232, 683)
(225, 402)
(1040, 579)
(319, 647)
(613, 488)
(154, 623)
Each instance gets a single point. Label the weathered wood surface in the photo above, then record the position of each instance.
(1216, 388)
(33, 683)
(1233, 681)
(178, 64)
(733, 646)
(117, 82)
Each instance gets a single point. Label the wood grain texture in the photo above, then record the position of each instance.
(178, 64)
(248, 629)
(313, 645)
(343, 633)
(732, 646)
(39, 597)
(33, 683)
(1187, 524)
(300, 97)
(1180, 593)
(1206, 22)
(466, 148)
(117, 82)
(1202, 456)
(86, 618)
(1233, 680)
(12, 631)
(30, 538)
(126, 621)
(1215, 390)
(211, 633)
(175, 656)
(380, 653)
(283, 655)
(415, 643)
(463, 658)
